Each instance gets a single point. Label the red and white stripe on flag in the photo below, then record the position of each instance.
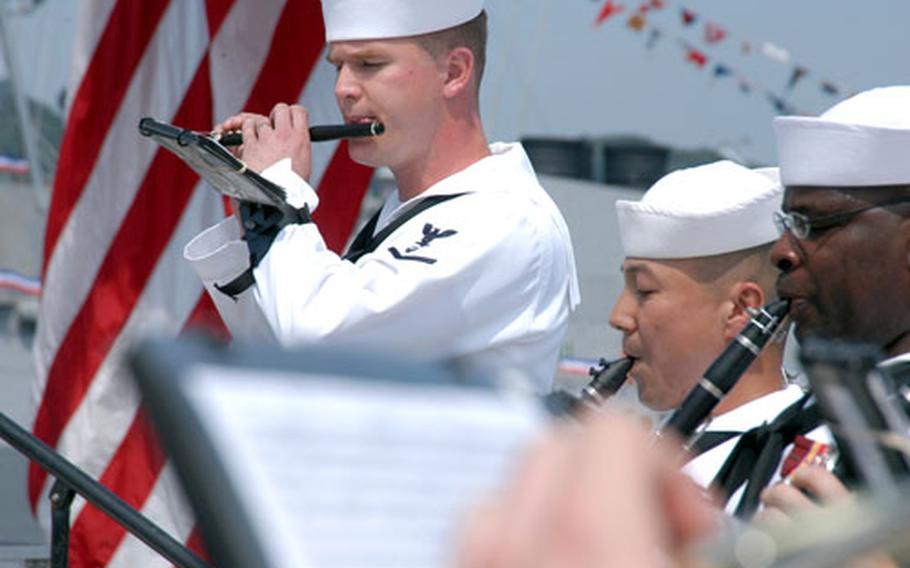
(121, 211)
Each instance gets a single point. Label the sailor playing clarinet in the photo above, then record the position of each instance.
(696, 270)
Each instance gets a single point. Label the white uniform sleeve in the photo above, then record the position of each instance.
(218, 255)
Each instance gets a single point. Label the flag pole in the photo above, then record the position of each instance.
(25, 123)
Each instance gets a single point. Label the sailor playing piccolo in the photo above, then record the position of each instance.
(470, 257)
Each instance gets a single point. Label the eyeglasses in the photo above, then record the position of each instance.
(802, 226)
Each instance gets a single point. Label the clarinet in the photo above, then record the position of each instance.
(608, 377)
(726, 370)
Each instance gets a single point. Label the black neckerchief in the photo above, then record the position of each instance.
(758, 452)
(366, 242)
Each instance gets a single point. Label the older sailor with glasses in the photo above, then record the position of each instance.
(844, 252)
(844, 248)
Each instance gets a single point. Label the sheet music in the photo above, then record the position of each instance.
(347, 473)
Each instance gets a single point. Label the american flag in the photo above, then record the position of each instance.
(122, 210)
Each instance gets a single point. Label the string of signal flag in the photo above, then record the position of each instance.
(637, 20)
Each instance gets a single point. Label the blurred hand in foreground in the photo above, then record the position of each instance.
(599, 495)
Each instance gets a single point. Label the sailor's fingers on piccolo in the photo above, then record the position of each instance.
(300, 119)
(236, 122)
(280, 116)
(253, 126)
(283, 122)
(290, 119)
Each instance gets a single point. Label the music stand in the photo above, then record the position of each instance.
(325, 457)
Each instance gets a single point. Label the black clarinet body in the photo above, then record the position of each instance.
(608, 377)
(726, 370)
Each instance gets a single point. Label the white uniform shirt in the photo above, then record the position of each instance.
(703, 468)
(489, 274)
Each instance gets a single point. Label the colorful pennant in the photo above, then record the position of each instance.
(653, 37)
(636, 22)
(609, 10)
(696, 57)
(714, 33)
(688, 16)
(798, 73)
(775, 52)
(830, 88)
(721, 70)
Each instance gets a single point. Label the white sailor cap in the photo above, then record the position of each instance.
(382, 19)
(862, 141)
(702, 211)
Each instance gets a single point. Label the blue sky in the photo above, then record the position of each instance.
(551, 72)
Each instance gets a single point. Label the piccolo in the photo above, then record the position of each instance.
(317, 133)
(726, 370)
